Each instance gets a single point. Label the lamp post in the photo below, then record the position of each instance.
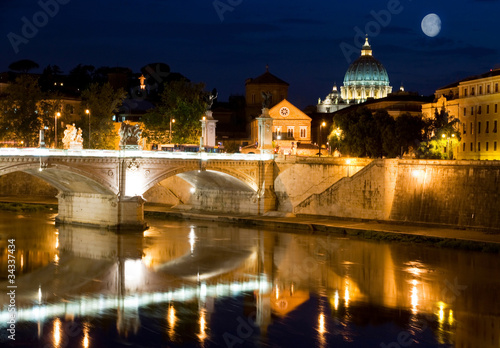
(323, 124)
(87, 111)
(58, 114)
(172, 120)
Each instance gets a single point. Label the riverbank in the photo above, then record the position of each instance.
(435, 235)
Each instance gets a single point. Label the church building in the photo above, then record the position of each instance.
(366, 78)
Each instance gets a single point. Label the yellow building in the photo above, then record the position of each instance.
(474, 101)
(290, 126)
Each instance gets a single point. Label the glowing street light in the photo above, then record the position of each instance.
(172, 120)
(88, 113)
(320, 127)
(58, 114)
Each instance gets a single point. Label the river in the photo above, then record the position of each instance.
(203, 284)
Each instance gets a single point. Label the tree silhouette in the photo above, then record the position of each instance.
(23, 65)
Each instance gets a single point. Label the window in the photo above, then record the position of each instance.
(465, 92)
(488, 89)
(472, 92)
(464, 128)
(487, 126)
(478, 146)
(479, 128)
(289, 132)
(464, 147)
(471, 129)
(303, 132)
(479, 110)
(69, 109)
(465, 111)
(480, 90)
(496, 108)
(487, 145)
(277, 130)
(471, 147)
(472, 110)
(495, 146)
(487, 109)
(495, 126)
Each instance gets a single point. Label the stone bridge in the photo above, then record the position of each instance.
(100, 187)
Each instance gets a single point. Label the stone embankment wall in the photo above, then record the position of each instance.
(460, 193)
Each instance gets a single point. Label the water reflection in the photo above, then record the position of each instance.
(265, 287)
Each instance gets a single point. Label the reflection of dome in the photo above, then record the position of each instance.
(365, 78)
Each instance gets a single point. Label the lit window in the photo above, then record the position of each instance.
(277, 130)
(303, 132)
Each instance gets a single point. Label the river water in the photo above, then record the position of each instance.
(200, 284)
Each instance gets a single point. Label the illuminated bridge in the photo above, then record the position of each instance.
(105, 187)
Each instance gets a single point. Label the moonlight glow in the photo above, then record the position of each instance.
(431, 25)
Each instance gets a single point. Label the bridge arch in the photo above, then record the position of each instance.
(210, 177)
(64, 178)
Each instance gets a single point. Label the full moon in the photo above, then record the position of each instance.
(431, 25)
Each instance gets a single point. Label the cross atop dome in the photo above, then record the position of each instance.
(366, 50)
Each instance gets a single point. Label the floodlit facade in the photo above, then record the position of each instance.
(475, 102)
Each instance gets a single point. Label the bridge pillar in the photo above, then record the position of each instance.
(103, 210)
(266, 194)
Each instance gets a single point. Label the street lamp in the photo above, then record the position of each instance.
(172, 120)
(87, 111)
(320, 127)
(58, 114)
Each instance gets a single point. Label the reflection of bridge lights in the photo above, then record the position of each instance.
(171, 322)
(85, 342)
(192, 239)
(90, 306)
(441, 313)
(336, 300)
(450, 317)
(203, 326)
(414, 297)
(192, 190)
(321, 324)
(203, 290)
(40, 294)
(56, 259)
(57, 332)
(346, 294)
(133, 273)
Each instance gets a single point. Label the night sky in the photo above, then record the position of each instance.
(223, 42)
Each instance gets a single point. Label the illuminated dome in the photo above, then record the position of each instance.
(365, 78)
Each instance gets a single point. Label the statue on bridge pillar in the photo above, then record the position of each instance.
(130, 136)
(265, 125)
(208, 124)
(72, 138)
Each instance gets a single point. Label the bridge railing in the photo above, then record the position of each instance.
(45, 152)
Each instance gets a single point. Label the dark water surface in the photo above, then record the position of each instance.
(197, 284)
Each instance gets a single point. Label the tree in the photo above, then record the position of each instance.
(102, 101)
(442, 134)
(409, 132)
(182, 101)
(23, 65)
(22, 118)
